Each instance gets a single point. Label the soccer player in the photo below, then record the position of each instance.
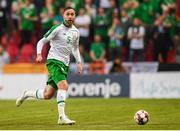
(64, 40)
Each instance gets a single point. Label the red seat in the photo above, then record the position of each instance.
(15, 38)
(4, 40)
(170, 54)
(13, 53)
(97, 68)
(149, 52)
(34, 40)
(26, 54)
(124, 53)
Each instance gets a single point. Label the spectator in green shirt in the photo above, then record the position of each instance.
(58, 18)
(46, 16)
(76, 4)
(130, 6)
(168, 4)
(97, 51)
(101, 25)
(116, 34)
(145, 12)
(97, 56)
(27, 17)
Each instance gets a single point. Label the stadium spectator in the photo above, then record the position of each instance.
(113, 11)
(82, 22)
(84, 54)
(97, 55)
(136, 34)
(90, 8)
(97, 51)
(27, 17)
(125, 22)
(46, 16)
(101, 25)
(116, 34)
(39, 5)
(117, 66)
(168, 5)
(76, 4)
(4, 57)
(130, 7)
(177, 39)
(58, 18)
(64, 41)
(162, 40)
(104, 4)
(177, 45)
(14, 14)
(4, 12)
(178, 9)
(68, 3)
(146, 10)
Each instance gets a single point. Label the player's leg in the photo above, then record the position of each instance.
(61, 98)
(57, 78)
(45, 93)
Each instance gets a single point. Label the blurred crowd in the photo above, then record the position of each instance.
(110, 30)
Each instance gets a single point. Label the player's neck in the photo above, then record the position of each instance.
(67, 25)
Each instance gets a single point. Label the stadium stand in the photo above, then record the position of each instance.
(16, 30)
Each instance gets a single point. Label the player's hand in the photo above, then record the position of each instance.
(80, 67)
(39, 58)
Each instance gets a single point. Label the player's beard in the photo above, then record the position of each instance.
(69, 22)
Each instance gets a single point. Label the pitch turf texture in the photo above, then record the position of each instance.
(91, 114)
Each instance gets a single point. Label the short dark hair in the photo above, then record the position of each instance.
(68, 8)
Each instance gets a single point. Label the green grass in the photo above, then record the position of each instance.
(91, 114)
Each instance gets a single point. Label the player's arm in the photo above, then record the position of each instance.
(47, 37)
(77, 56)
(40, 45)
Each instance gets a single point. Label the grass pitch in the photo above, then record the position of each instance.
(91, 114)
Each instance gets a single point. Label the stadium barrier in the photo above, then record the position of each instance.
(129, 67)
(41, 68)
(112, 85)
(24, 68)
(134, 85)
(149, 85)
(155, 85)
(12, 85)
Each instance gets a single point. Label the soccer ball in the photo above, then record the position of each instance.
(141, 117)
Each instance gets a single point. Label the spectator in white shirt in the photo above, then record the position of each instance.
(104, 4)
(90, 7)
(136, 34)
(83, 22)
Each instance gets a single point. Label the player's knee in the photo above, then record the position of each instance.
(63, 85)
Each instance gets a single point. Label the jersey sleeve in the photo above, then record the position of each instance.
(51, 33)
(47, 37)
(40, 45)
(75, 50)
